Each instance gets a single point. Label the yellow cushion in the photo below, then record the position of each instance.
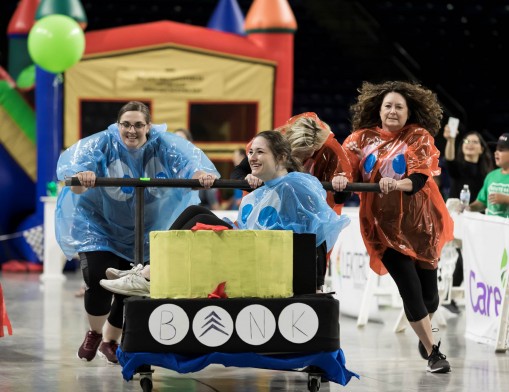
(191, 264)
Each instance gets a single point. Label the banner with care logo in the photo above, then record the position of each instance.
(485, 267)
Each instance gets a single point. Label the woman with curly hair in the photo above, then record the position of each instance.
(392, 144)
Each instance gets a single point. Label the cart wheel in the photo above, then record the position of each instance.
(145, 372)
(146, 383)
(313, 383)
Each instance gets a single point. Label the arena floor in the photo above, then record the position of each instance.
(49, 324)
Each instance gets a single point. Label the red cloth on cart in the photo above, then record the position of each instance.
(203, 226)
(4, 318)
(219, 292)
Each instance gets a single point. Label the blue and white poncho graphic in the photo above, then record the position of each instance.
(102, 218)
(294, 202)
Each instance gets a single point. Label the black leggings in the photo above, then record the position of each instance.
(194, 214)
(418, 287)
(98, 301)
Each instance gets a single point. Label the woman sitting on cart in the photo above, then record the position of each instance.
(98, 223)
(314, 147)
(287, 201)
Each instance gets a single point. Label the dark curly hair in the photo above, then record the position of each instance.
(423, 107)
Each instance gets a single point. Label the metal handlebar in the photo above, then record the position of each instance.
(183, 183)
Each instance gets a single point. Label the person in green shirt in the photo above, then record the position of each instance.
(494, 195)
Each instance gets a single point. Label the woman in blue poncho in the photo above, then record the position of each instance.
(288, 201)
(98, 223)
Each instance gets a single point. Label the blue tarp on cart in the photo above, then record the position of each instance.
(332, 363)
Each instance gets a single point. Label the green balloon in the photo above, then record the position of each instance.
(26, 78)
(56, 43)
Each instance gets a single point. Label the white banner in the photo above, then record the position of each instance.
(485, 268)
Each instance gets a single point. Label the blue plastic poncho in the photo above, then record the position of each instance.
(297, 202)
(102, 218)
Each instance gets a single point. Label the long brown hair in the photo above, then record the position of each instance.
(280, 148)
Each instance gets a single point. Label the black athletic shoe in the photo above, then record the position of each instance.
(437, 362)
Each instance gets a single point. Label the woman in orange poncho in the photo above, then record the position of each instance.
(403, 231)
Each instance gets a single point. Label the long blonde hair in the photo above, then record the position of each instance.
(306, 133)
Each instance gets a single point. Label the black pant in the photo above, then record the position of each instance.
(98, 301)
(194, 214)
(418, 287)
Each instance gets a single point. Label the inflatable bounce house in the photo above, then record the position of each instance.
(225, 82)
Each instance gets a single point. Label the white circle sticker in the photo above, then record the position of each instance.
(298, 323)
(255, 324)
(168, 324)
(212, 326)
(117, 168)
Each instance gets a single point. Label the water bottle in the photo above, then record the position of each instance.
(465, 197)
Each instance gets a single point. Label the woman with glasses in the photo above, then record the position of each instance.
(98, 223)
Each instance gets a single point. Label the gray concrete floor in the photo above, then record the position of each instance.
(49, 324)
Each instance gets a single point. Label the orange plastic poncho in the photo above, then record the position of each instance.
(416, 225)
(326, 163)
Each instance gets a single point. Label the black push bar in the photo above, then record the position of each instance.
(225, 184)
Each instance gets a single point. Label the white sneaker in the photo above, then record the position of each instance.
(113, 273)
(131, 284)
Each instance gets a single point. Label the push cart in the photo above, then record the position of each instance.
(297, 333)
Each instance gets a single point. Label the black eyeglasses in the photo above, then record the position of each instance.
(466, 141)
(127, 125)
